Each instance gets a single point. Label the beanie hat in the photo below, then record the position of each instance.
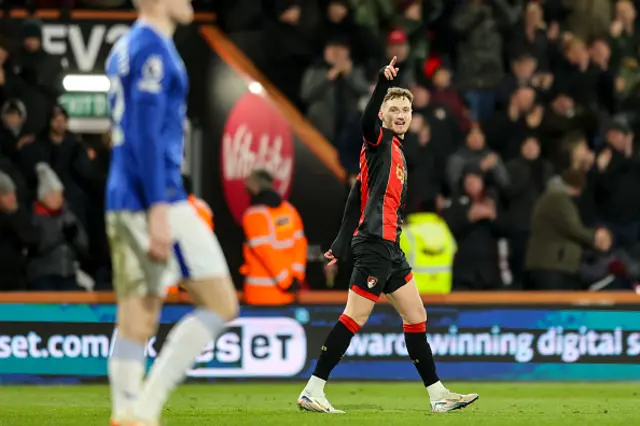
(14, 106)
(32, 28)
(48, 180)
(6, 184)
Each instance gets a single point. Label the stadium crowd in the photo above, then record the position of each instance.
(512, 99)
(523, 131)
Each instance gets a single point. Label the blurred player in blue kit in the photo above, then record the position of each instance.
(155, 235)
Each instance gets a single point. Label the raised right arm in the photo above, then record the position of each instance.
(369, 122)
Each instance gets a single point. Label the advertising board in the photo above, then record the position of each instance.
(71, 343)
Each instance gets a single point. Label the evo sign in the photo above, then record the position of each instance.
(83, 48)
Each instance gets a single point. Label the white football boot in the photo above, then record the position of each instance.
(453, 401)
(316, 403)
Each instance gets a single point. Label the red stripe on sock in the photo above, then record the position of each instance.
(415, 328)
(349, 323)
(360, 292)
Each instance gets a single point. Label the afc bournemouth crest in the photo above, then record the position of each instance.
(371, 282)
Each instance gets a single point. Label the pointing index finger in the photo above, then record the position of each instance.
(392, 64)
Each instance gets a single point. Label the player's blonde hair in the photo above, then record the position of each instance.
(398, 93)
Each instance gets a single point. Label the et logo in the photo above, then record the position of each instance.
(255, 347)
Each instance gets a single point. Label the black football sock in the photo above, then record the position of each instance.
(335, 346)
(415, 337)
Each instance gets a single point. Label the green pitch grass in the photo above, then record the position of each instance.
(367, 404)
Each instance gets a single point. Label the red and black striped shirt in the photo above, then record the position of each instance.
(375, 207)
(383, 189)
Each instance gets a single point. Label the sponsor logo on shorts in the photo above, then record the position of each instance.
(371, 282)
(256, 136)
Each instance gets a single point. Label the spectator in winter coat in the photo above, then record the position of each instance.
(472, 218)
(531, 36)
(563, 117)
(16, 144)
(53, 262)
(529, 175)
(583, 79)
(588, 19)
(480, 59)
(523, 74)
(41, 75)
(70, 161)
(339, 22)
(576, 155)
(617, 182)
(558, 237)
(17, 234)
(9, 83)
(22, 192)
(425, 164)
(508, 128)
(625, 33)
(444, 94)
(398, 46)
(332, 88)
(476, 154)
(442, 120)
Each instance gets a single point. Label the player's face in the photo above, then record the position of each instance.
(180, 11)
(396, 115)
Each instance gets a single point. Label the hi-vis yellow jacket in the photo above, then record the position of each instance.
(430, 248)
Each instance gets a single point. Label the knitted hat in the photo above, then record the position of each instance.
(32, 28)
(48, 180)
(6, 184)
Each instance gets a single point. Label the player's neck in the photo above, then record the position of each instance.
(162, 25)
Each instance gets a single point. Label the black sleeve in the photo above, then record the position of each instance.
(369, 122)
(350, 218)
(27, 232)
(456, 216)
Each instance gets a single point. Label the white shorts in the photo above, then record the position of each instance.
(196, 252)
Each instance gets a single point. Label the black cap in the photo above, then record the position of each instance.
(337, 39)
(523, 54)
(32, 28)
(620, 126)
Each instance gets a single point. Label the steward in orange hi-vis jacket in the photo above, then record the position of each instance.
(275, 251)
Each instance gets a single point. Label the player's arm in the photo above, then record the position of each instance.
(370, 128)
(350, 219)
(148, 105)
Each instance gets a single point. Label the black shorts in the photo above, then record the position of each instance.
(378, 266)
